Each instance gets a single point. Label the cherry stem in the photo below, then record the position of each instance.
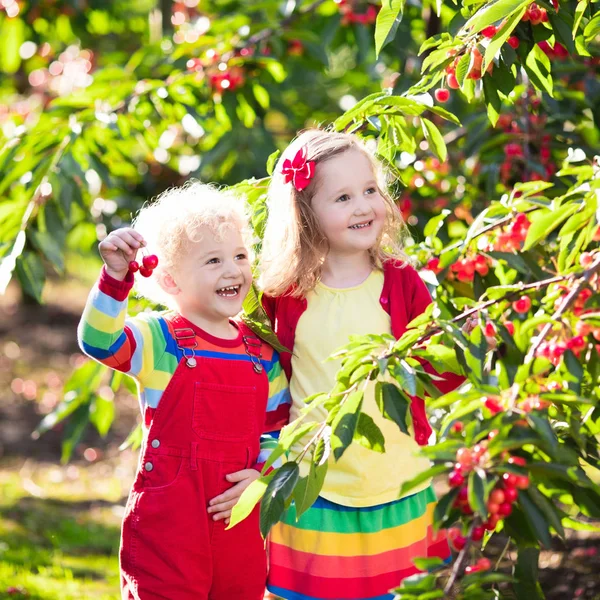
(459, 565)
(567, 302)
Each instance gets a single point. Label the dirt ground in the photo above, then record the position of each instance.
(38, 350)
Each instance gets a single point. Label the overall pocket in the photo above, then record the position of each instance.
(224, 412)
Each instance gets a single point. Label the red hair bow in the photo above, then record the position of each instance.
(298, 170)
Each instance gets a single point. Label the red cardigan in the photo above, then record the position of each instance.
(404, 297)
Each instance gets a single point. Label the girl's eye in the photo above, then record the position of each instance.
(212, 261)
(343, 198)
(371, 190)
(241, 257)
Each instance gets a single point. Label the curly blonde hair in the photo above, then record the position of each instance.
(294, 245)
(175, 219)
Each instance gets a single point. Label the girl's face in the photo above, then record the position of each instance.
(347, 203)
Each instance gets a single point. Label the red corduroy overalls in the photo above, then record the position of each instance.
(207, 424)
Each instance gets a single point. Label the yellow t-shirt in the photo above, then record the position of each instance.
(362, 477)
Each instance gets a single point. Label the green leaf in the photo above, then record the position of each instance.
(536, 519)
(261, 95)
(12, 36)
(579, 12)
(278, 490)
(508, 25)
(476, 490)
(392, 403)
(443, 508)
(290, 434)
(272, 161)
(308, 490)
(74, 430)
(388, 19)
(542, 426)
(537, 65)
(31, 274)
(546, 221)
(427, 564)
(547, 508)
(527, 585)
(592, 29)
(368, 434)
(423, 476)
(102, 414)
(249, 499)
(345, 422)
(49, 246)
(492, 99)
(491, 13)
(434, 139)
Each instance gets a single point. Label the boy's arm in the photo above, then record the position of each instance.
(105, 334)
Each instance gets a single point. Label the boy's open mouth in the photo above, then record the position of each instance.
(361, 225)
(229, 292)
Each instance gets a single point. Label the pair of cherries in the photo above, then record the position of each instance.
(149, 263)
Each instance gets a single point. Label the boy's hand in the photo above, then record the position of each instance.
(221, 505)
(118, 249)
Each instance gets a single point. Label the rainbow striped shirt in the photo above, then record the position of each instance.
(144, 348)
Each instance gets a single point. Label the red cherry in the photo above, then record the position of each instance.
(484, 564)
(455, 479)
(517, 460)
(489, 32)
(513, 41)
(144, 272)
(510, 327)
(490, 329)
(511, 494)
(504, 509)
(522, 305)
(150, 261)
(465, 457)
(134, 266)
(452, 81)
(463, 494)
(493, 406)
(477, 533)
(457, 427)
(442, 95)
(582, 328)
(497, 496)
(493, 507)
(522, 482)
(459, 542)
(510, 480)
(471, 569)
(491, 523)
(586, 259)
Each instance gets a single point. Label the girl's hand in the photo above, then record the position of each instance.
(118, 249)
(222, 505)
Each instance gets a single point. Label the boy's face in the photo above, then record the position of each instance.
(213, 276)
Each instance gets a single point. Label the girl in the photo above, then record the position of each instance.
(208, 389)
(332, 267)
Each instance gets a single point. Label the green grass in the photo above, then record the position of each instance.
(58, 545)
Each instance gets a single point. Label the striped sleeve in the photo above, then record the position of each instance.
(278, 404)
(131, 345)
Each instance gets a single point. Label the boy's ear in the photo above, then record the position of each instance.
(168, 283)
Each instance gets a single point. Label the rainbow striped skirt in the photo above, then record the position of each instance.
(337, 552)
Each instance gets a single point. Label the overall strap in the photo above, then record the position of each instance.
(252, 345)
(185, 338)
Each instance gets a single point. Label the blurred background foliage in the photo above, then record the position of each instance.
(103, 105)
